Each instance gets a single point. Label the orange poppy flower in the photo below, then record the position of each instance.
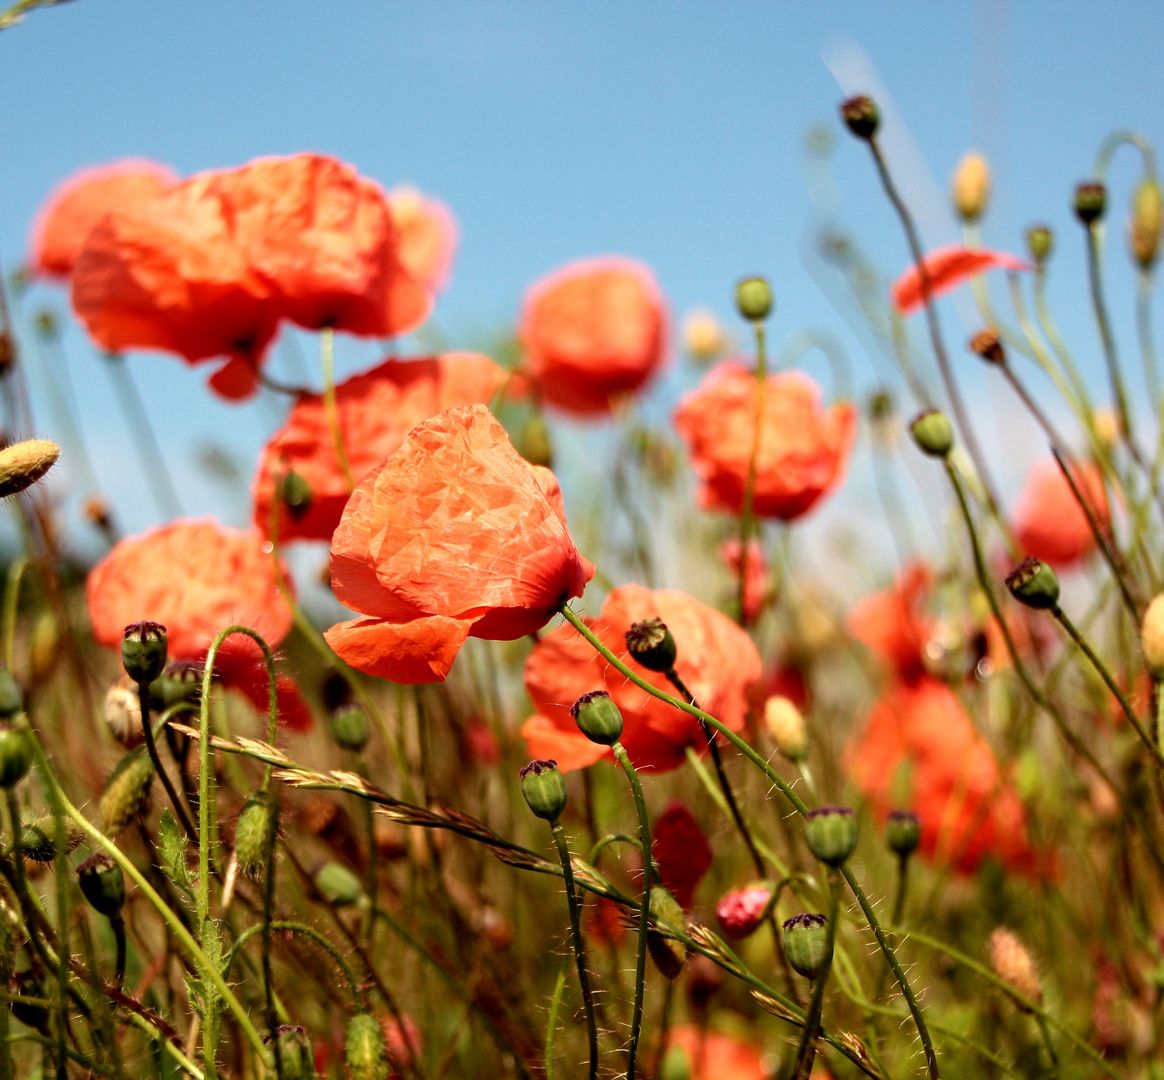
(196, 578)
(894, 625)
(323, 239)
(712, 1054)
(428, 236)
(376, 410)
(593, 331)
(166, 274)
(716, 659)
(455, 535)
(1049, 522)
(918, 735)
(75, 208)
(803, 449)
(947, 268)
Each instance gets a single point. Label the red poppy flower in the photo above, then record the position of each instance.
(376, 410)
(919, 737)
(947, 268)
(803, 449)
(75, 208)
(1049, 522)
(593, 331)
(755, 575)
(895, 625)
(197, 578)
(428, 236)
(681, 851)
(712, 1055)
(453, 536)
(716, 659)
(323, 239)
(167, 274)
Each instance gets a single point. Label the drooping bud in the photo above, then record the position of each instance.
(971, 187)
(668, 953)
(365, 1051)
(1013, 965)
(1090, 201)
(902, 832)
(785, 724)
(1034, 583)
(11, 696)
(987, 344)
(296, 494)
(338, 885)
(1040, 243)
(1152, 637)
(534, 443)
(597, 717)
(127, 793)
(24, 463)
(102, 884)
(651, 644)
(295, 1052)
(1144, 223)
(742, 910)
(933, 433)
(123, 713)
(143, 651)
(754, 299)
(805, 941)
(544, 789)
(831, 832)
(861, 116)
(15, 755)
(253, 835)
(349, 727)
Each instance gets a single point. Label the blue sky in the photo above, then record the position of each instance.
(671, 132)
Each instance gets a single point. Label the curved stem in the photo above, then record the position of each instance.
(143, 697)
(806, 1054)
(579, 955)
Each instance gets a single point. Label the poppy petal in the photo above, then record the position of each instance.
(405, 651)
(570, 749)
(946, 269)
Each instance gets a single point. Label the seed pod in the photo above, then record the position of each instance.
(24, 463)
(45, 646)
(1090, 201)
(805, 938)
(253, 834)
(754, 299)
(364, 1049)
(651, 644)
(1034, 583)
(831, 832)
(1014, 966)
(668, 954)
(987, 344)
(102, 884)
(15, 755)
(902, 832)
(127, 793)
(544, 789)
(143, 651)
(597, 717)
(861, 116)
(933, 433)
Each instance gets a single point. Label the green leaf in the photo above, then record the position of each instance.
(172, 849)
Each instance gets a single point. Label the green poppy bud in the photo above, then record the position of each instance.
(1145, 222)
(861, 116)
(181, 681)
(338, 885)
(1040, 243)
(902, 832)
(295, 1052)
(253, 835)
(805, 942)
(1034, 583)
(296, 495)
(534, 443)
(754, 299)
(933, 433)
(831, 833)
(668, 954)
(365, 1051)
(1090, 201)
(38, 840)
(102, 884)
(544, 789)
(597, 717)
(15, 755)
(127, 793)
(349, 727)
(143, 651)
(651, 644)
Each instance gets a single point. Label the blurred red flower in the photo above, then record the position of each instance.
(947, 268)
(196, 578)
(75, 208)
(895, 625)
(755, 574)
(712, 1055)
(593, 331)
(681, 851)
(716, 659)
(803, 449)
(427, 234)
(1049, 522)
(453, 536)
(377, 409)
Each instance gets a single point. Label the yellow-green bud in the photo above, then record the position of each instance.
(15, 755)
(971, 187)
(902, 832)
(143, 651)
(534, 442)
(1034, 583)
(338, 885)
(805, 943)
(785, 724)
(254, 833)
(127, 794)
(1040, 243)
(102, 884)
(544, 789)
(1152, 637)
(296, 494)
(933, 433)
(365, 1052)
(861, 116)
(651, 644)
(349, 727)
(754, 299)
(597, 717)
(24, 463)
(1090, 201)
(831, 832)
(668, 953)
(1145, 222)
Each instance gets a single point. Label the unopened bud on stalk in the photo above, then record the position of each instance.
(349, 727)
(861, 116)
(805, 939)
(38, 840)
(1034, 583)
(902, 832)
(1090, 201)
(544, 789)
(296, 494)
(597, 717)
(15, 755)
(785, 724)
(143, 651)
(253, 833)
(365, 1051)
(1107, 427)
(1152, 637)
(534, 444)
(295, 1052)
(338, 885)
(1145, 222)
(123, 713)
(754, 299)
(986, 343)
(933, 433)
(831, 832)
(102, 884)
(703, 337)
(971, 187)
(651, 644)
(1040, 243)
(668, 953)
(24, 463)
(1013, 965)
(11, 697)
(741, 911)
(127, 793)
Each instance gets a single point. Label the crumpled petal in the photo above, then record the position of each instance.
(405, 651)
(947, 268)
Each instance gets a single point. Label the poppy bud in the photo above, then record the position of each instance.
(534, 443)
(971, 187)
(1145, 222)
(349, 727)
(741, 911)
(831, 832)
(365, 1051)
(38, 840)
(1014, 966)
(143, 651)
(127, 793)
(1090, 201)
(786, 726)
(1040, 243)
(805, 940)
(339, 886)
(668, 953)
(703, 337)
(1152, 637)
(651, 644)
(295, 1052)
(861, 116)
(15, 755)
(597, 717)
(252, 834)
(24, 463)
(296, 494)
(181, 681)
(754, 299)
(933, 433)
(123, 714)
(902, 832)
(544, 789)
(986, 344)
(11, 698)
(102, 884)
(1107, 427)
(1034, 583)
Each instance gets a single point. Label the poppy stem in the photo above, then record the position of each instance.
(806, 1053)
(746, 514)
(327, 361)
(644, 905)
(143, 697)
(552, 1022)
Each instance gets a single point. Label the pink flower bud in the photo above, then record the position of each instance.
(740, 912)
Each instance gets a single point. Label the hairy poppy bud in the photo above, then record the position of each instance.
(597, 717)
(1145, 222)
(805, 940)
(831, 832)
(933, 433)
(1040, 243)
(651, 644)
(24, 463)
(143, 651)
(544, 789)
(102, 884)
(349, 727)
(295, 1052)
(986, 344)
(11, 697)
(1090, 201)
(123, 713)
(1014, 966)
(15, 755)
(754, 299)
(1034, 583)
(742, 910)
(253, 833)
(971, 187)
(668, 953)
(38, 840)
(296, 494)
(181, 681)
(1152, 637)
(365, 1051)
(786, 726)
(338, 885)
(902, 832)
(534, 443)
(861, 116)
(127, 793)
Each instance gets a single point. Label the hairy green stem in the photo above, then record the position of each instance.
(143, 697)
(579, 949)
(806, 1053)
